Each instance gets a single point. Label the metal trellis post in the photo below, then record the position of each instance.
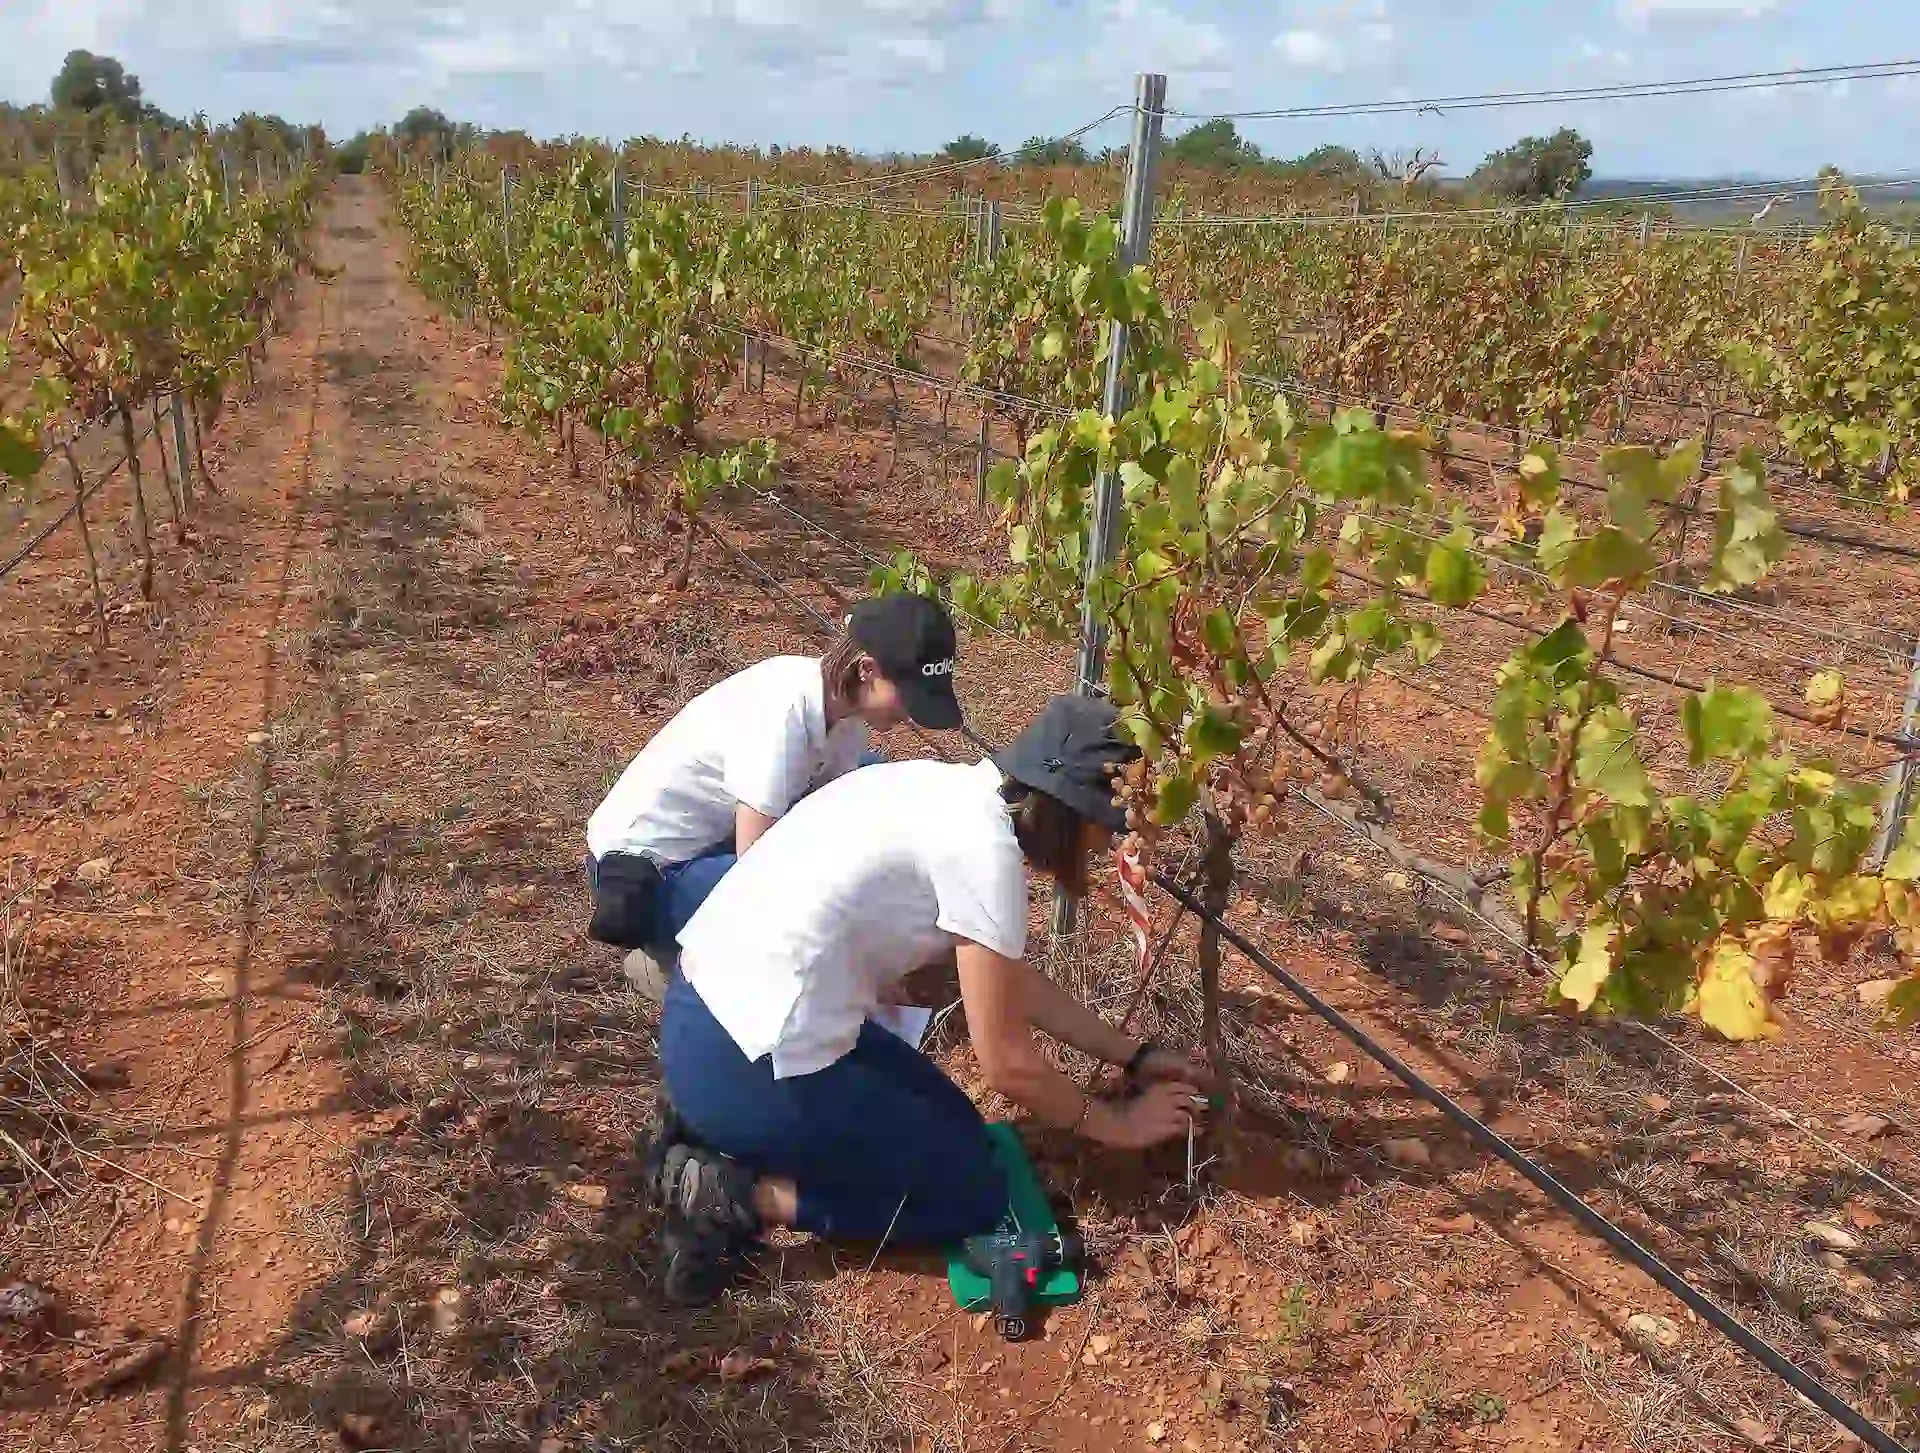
(506, 217)
(990, 251)
(1136, 226)
(179, 415)
(1896, 799)
(746, 342)
(619, 218)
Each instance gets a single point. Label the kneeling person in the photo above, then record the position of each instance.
(789, 1105)
(738, 756)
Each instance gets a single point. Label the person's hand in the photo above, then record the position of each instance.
(1160, 1112)
(1162, 1065)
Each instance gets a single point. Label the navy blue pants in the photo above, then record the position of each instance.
(880, 1144)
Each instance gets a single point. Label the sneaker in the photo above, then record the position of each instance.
(648, 974)
(652, 1148)
(708, 1191)
(697, 1263)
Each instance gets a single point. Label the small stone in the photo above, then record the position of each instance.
(1866, 1127)
(1874, 992)
(1652, 1331)
(1156, 1432)
(1832, 1237)
(93, 872)
(1339, 1072)
(256, 739)
(1408, 1154)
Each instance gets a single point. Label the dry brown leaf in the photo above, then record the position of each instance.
(1866, 1127)
(687, 1365)
(740, 1364)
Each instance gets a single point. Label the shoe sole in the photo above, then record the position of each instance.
(644, 973)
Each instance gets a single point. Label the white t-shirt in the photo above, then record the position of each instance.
(855, 888)
(760, 738)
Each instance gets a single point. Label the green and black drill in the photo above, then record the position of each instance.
(1014, 1263)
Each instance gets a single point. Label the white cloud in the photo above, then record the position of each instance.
(1309, 48)
(1330, 35)
(1122, 38)
(1641, 13)
(1596, 54)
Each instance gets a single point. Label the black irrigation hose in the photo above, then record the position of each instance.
(1553, 1188)
(40, 537)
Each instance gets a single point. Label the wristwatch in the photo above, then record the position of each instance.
(1138, 1058)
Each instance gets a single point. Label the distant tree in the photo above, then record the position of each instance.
(968, 148)
(1327, 161)
(89, 82)
(1404, 167)
(1214, 144)
(1040, 152)
(350, 157)
(424, 126)
(1536, 167)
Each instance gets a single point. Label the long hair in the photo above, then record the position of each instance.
(840, 675)
(1050, 834)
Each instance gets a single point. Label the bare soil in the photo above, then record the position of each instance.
(356, 1147)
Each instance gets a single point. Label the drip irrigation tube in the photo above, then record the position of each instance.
(1553, 1188)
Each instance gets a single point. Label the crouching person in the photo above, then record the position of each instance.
(738, 756)
(789, 1106)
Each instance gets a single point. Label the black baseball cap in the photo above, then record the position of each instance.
(1065, 753)
(912, 639)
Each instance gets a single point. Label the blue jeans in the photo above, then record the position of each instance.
(880, 1144)
(683, 888)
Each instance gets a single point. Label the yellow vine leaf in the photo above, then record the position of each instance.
(1827, 697)
(1787, 893)
(1730, 998)
(1591, 966)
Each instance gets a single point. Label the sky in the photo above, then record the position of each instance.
(908, 75)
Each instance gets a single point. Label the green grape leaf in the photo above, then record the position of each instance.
(1454, 577)
(1608, 759)
(1495, 825)
(1222, 633)
(1540, 478)
(1903, 1004)
(1424, 643)
(20, 457)
(1903, 864)
(1211, 734)
(1726, 722)
(1175, 798)
(1607, 556)
(1748, 540)
(1316, 569)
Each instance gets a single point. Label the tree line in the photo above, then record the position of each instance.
(1535, 168)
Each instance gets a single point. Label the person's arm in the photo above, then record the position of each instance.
(749, 826)
(1005, 999)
